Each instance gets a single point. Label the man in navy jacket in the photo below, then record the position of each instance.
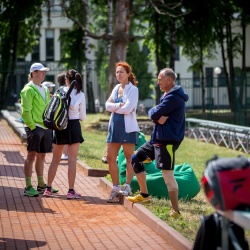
(168, 133)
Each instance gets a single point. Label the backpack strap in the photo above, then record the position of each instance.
(72, 85)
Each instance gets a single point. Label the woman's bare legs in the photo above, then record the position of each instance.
(112, 152)
(57, 152)
(72, 153)
(128, 152)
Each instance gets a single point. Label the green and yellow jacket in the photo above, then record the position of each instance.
(33, 105)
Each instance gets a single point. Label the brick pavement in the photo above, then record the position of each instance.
(58, 223)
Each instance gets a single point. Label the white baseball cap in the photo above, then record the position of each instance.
(38, 66)
(48, 84)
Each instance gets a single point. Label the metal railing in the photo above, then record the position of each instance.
(221, 134)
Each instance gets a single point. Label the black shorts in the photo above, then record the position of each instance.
(164, 155)
(72, 134)
(39, 140)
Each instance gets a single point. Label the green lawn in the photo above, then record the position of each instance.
(196, 153)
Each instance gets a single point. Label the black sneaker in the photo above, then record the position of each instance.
(42, 189)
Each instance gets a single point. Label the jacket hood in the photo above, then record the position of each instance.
(178, 90)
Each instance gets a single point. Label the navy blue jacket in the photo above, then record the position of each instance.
(172, 105)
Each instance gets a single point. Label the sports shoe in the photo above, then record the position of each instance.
(30, 192)
(139, 199)
(125, 190)
(73, 195)
(174, 213)
(42, 189)
(64, 157)
(113, 197)
(104, 159)
(48, 192)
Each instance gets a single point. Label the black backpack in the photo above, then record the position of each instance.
(55, 115)
(209, 236)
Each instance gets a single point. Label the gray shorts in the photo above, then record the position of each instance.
(164, 155)
(39, 140)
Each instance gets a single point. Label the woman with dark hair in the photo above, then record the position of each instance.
(71, 136)
(123, 127)
(61, 81)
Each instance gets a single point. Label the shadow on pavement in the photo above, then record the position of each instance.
(13, 156)
(12, 199)
(10, 243)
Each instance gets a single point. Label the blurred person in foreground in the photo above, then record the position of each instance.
(168, 133)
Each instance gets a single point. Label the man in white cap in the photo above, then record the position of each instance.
(34, 98)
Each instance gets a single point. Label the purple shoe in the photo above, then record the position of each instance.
(73, 195)
(48, 192)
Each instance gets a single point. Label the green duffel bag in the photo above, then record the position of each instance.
(188, 184)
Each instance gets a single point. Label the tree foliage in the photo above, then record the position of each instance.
(19, 25)
(195, 25)
(138, 61)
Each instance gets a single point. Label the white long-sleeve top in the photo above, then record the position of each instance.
(77, 108)
(130, 98)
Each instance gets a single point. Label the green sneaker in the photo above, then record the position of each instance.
(30, 192)
(42, 189)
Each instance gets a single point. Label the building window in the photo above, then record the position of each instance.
(222, 78)
(237, 76)
(248, 76)
(178, 79)
(35, 57)
(209, 77)
(49, 45)
(196, 79)
(177, 53)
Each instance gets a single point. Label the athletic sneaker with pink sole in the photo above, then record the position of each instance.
(48, 192)
(73, 195)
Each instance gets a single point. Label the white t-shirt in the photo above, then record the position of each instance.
(77, 108)
(40, 89)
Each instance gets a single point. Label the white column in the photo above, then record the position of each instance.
(42, 44)
(57, 45)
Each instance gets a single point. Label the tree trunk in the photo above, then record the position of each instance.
(120, 40)
(110, 22)
(8, 63)
(243, 53)
(223, 54)
(203, 91)
(231, 86)
(89, 84)
(172, 44)
(157, 57)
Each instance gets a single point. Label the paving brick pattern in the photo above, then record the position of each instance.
(58, 223)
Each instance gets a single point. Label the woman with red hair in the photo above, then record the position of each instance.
(123, 127)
